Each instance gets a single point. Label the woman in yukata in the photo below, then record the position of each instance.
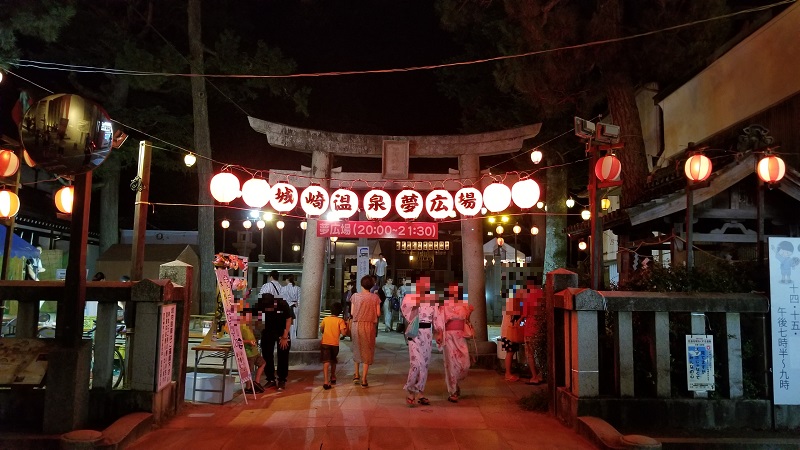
(451, 322)
(420, 304)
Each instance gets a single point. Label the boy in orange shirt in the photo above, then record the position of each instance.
(331, 327)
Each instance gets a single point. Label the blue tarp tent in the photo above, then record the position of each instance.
(19, 248)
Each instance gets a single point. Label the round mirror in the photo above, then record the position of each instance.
(66, 134)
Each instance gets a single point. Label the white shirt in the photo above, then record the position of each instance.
(291, 294)
(271, 287)
(380, 267)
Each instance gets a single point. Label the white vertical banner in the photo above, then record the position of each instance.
(700, 362)
(166, 344)
(232, 317)
(363, 266)
(784, 286)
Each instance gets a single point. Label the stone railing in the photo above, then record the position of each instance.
(594, 369)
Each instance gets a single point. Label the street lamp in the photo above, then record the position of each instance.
(280, 226)
(499, 229)
(225, 224)
(247, 224)
(516, 229)
(260, 225)
(534, 232)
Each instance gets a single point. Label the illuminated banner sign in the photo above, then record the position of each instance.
(385, 230)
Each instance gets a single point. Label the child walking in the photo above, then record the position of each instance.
(331, 327)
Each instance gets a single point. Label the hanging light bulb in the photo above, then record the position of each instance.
(517, 229)
(536, 156)
(189, 159)
(280, 224)
(570, 202)
(261, 224)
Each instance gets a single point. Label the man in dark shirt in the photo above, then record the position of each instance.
(277, 316)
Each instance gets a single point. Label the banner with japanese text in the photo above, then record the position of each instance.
(378, 230)
(784, 281)
(232, 317)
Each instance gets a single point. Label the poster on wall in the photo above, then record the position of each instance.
(700, 362)
(784, 285)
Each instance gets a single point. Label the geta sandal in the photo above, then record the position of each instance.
(423, 401)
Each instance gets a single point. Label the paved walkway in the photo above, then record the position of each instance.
(351, 417)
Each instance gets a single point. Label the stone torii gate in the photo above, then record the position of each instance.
(395, 152)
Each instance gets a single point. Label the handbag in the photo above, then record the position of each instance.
(412, 330)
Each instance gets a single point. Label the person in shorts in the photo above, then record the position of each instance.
(254, 358)
(332, 327)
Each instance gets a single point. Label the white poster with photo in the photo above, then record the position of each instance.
(784, 282)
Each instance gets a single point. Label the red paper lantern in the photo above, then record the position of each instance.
(9, 163)
(9, 204)
(64, 198)
(377, 204)
(771, 169)
(225, 187)
(408, 204)
(496, 197)
(698, 168)
(525, 193)
(314, 200)
(439, 204)
(28, 160)
(255, 192)
(608, 168)
(468, 201)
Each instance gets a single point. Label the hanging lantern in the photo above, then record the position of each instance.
(586, 214)
(9, 204)
(605, 203)
(377, 204)
(255, 192)
(225, 223)
(225, 187)
(9, 163)
(534, 230)
(64, 198)
(540, 205)
(570, 202)
(496, 197)
(582, 245)
(283, 197)
(408, 204)
(536, 156)
(499, 229)
(608, 168)
(28, 160)
(771, 169)
(525, 193)
(314, 200)
(468, 201)
(344, 203)
(698, 167)
(247, 224)
(439, 204)
(189, 159)
(501, 242)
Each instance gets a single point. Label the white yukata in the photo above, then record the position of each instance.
(291, 294)
(419, 348)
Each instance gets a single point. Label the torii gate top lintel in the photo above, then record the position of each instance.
(372, 146)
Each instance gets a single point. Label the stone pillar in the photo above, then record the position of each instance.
(472, 255)
(733, 330)
(663, 372)
(313, 267)
(556, 281)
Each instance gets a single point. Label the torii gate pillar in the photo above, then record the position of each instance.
(313, 265)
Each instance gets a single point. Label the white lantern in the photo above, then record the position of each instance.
(189, 159)
(469, 201)
(344, 203)
(536, 156)
(496, 197)
(438, 204)
(283, 197)
(408, 204)
(225, 187)
(256, 192)
(377, 204)
(586, 214)
(314, 200)
(525, 193)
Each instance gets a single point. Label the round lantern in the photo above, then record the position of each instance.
(377, 204)
(28, 160)
(247, 224)
(570, 202)
(9, 204)
(582, 245)
(189, 159)
(608, 168)
(525, 193)
(536, 156)
(586, 214)
(771, 169)
(344, 203)
(255, 192)
(283, 197)
(698, 168)
(314, 200)
(225, 187)
(468, 201)
(499, 229)
(496, 197)
(9, 163)
(501, 242)
(64, 198)
(439, 204)
(408, 204)
(225, 223)
(534, 230)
